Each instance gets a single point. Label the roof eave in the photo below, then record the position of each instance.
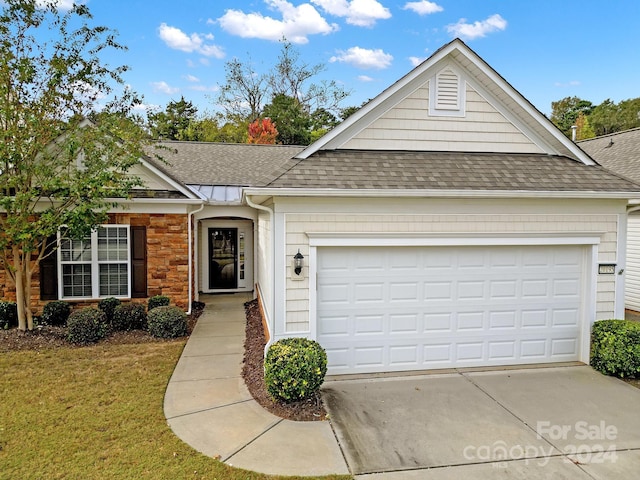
(435, 193)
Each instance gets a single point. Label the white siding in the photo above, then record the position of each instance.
(263, 262)
(149, 179)
(408, 126)
(632, 289)
(478, 218)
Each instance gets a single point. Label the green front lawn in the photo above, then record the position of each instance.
(96, 412)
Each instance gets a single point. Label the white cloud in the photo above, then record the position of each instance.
(572, 83)
(415, 61)
(59, 4)
(362, 13)
(363, 58)
(296, 25)
(178, 40)
(423, 7)
(205, 88)
(192, 78)
(365, 78)
(478, 29)
(164, 87)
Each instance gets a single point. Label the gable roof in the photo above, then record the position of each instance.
(619, 152)
(491, 86)
(439, 172)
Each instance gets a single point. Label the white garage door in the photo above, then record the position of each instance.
(406, 308)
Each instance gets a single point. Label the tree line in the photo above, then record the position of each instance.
(285, 105)
(593, 120)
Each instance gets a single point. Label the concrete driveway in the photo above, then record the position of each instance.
(559, 422)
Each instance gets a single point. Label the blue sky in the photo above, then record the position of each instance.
(546, 49)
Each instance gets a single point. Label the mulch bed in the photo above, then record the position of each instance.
(44, 337)
(253, 374)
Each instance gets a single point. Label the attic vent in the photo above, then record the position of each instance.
(447, 90)
(446, 94)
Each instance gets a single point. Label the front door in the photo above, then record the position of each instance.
(223, 258)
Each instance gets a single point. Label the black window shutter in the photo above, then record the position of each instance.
(49, 271)
(138, 262)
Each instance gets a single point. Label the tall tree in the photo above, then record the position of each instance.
(292, 77)
(246, 91)
(174, 122)
(565, 112)
(583, 127)
(291, 120)
(56, 168)
(605, 118)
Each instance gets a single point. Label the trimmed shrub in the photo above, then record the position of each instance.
(129, 316)
(108, 305)
(88, 325)
(294, 369)
(158, 301)
(167, 322)
(56, 313)
(615, 347)
(8, 314)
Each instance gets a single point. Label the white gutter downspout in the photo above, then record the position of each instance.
(273, 258)
(190, 261)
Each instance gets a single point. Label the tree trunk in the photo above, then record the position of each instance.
(28, 270)
(20, 293)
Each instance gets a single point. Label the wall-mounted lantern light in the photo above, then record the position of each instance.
(298, 263)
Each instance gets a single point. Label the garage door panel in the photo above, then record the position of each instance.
(369, 325)
(534, 318)
(364, 293)
(564, 346)
(407, 324)
(502, 319)
(437, 307)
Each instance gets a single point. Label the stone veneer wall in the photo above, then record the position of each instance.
(167, 253)
(167, 261)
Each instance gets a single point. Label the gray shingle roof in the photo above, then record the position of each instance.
(202, 163)
(619, 152)
(360, 169)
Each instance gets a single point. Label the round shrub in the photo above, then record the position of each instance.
(167, 322)
(8, 314)
(615, 347)
(294, 369)
(158, 301)
(56, 313)
(129, 316)
(108, 305)
(88, 325)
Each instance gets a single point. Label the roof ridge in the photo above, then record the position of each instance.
(197, 142)
(608, 135)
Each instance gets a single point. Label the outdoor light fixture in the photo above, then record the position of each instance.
(297, 262)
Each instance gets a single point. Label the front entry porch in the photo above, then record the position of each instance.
(225, 255)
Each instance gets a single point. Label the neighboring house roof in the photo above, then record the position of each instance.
(224, 164)
(619, 152)
(352, 169)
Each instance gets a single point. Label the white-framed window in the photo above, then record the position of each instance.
(96, 266)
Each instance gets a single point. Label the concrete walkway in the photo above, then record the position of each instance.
(208, 406)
